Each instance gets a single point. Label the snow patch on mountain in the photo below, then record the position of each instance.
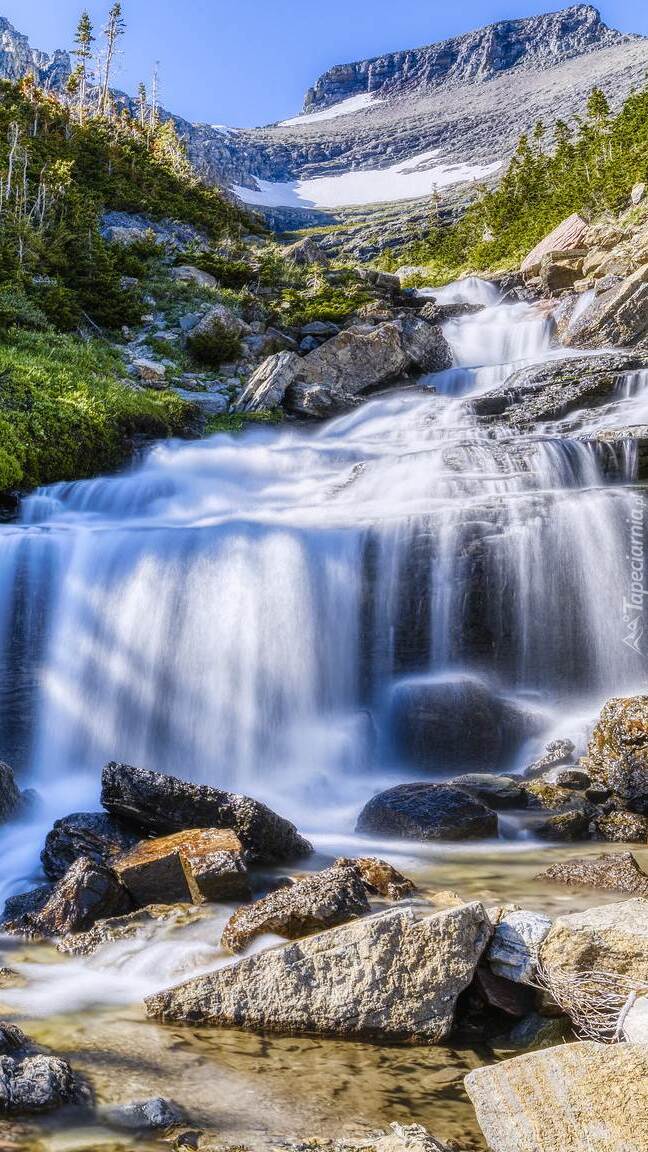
(343, 108)
(406, 180)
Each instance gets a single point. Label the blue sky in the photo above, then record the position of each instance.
(248, 62)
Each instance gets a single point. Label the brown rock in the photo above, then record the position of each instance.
(620, 828)
(569, 234)
(322, 900)
(379, 877)
(88, 892)
(617, 754)
(198, 865)
(615, 871)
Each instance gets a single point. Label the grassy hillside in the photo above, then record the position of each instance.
(587, 166)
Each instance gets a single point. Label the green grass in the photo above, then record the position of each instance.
(65, 414)
(239, 421)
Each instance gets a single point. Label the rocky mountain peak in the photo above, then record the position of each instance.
(536, 42)
(18, 59)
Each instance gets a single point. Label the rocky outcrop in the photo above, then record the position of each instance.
(459, 722)
(163, 804)
(320, 901)
(88, 892)
(568, 235)
(618, 316)
(552, 390)
(93, 834)
(348, 366)
(617, 754)
(575, 1097)
(614, 871)
(427, 812)
(197, 865)
(612, 939)
(392, 977)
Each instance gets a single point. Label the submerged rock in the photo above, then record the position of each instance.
(322, 900)
(143, 1115)
(572, 1098)
(615, 871)
(379, 877)
(30, 1081)
(163, 804)
(199, 865)
(457, 722)
(93, 834)
(427, 812)
(89, 891)
(392, 977)
(612, 939)
(140, 923)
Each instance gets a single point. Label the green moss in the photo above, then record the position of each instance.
(64, 413)
(238, 421)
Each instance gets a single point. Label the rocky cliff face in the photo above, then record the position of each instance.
(540, 42)
(18, 59)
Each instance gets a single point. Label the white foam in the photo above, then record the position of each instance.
(344, 108)
(406, 180)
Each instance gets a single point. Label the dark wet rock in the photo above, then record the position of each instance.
(551, 390)
(93, 834)
(151, 1115)
(26, 903)
(617, 754)
(572, 778)
(556, 753)
(88, 892)
(572, 824)
(392, 977)
(30, 1080)
(459, 722)
(379, 877)
(427, 812)
(620, 828)
(508, 996)
(140, 923)
(495, 791)
(616, 871)
(320, 901)
(537, 1031)
(12, 800)
(164, 804)
(199, 865)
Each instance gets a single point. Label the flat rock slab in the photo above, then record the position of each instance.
(392, 977)
(320, 901)
(614, 871)
(199, 865)
(613, 938)
(574, 1098)
(161, 804)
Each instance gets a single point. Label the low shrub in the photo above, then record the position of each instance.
(214, 347)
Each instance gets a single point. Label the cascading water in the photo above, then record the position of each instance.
(238, 610)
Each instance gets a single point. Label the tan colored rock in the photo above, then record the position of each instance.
(320, 901)
(392, 977)
(617, 316)
(573, 1098)
(613, 871)
(151, 373)
(612, 939)
(617, 754)
(379, 876)
(199, 865)
(569, 234)
(189, 274)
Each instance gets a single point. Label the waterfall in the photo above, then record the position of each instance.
(237, 610)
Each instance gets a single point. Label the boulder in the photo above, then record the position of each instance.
(26, 902)
(458, 722)
(508, 996)
(614, 871)
(219, 316)
(11, 798)
(379, 877)
(572, 824)
(393, 977)
(556, 753)
(88, 892)
(620, 828)
(569, 234)
(514, 948)
(151, 372)
(355, 361)
(538, 1031)
(304, 252)
(164, 804)
(573, 778)
(198, 865)
(617, 754)
(495, 791)
(612, 939)
(638, 192)
(427, 812)
(618, 316)
(92, 834)
(189, 274)
(583, 1097)
(30, 1081)
(559, 272)
(320, 901)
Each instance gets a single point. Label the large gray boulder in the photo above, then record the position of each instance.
(427, 812)
(618, 316)
(456, 723)
(356, 361)
(393, 977)
(163, 804)
(617, 754)
(30, 1081)
(565, 237)
(322, 900)
(612, 939)
(94, 834)
(573, 1098)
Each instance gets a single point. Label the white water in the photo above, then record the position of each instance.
(238, 610)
